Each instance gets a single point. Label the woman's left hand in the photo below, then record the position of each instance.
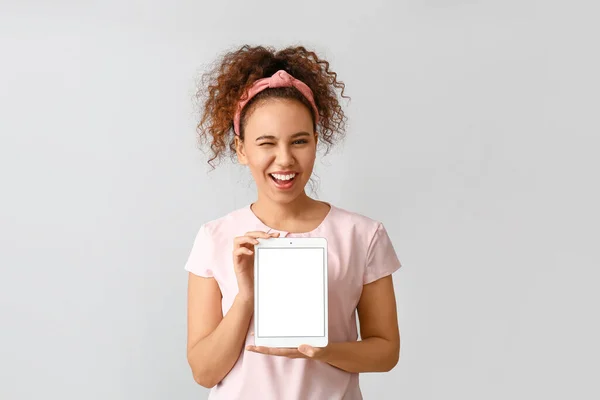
(304, 351)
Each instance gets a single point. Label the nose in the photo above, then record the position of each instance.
(284, 156)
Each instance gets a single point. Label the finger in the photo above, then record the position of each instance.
(290, 353)
(259, 349)
(242, 251)
(307, 350)
(242, 240)
(260, 234)
(262, 349)
(274, 351)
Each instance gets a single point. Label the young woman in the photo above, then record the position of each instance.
(270, 109)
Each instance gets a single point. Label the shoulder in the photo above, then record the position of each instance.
(226, 227)
(356, 226)
(214, 236)
(352, 220)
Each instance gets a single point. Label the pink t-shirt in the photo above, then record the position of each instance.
(359, 252)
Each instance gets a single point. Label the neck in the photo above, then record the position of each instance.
(274, 213)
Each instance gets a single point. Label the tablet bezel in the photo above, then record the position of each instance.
(291, 243)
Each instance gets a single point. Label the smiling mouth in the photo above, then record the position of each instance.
(284, 183)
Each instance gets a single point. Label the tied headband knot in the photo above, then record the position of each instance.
(279, 79)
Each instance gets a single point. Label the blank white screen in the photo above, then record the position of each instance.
(291, 294)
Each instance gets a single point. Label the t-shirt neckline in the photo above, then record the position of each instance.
(285, 233)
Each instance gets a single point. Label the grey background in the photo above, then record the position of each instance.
(473, 136)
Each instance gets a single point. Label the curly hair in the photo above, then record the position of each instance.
(234, 72)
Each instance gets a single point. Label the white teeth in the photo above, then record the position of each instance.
(284, 177)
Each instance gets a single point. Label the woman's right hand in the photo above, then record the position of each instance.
(243, 261)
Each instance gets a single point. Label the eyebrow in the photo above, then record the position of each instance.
(273, 137)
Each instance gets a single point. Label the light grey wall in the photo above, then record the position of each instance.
(473, 136)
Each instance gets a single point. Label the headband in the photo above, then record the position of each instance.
(279, 79)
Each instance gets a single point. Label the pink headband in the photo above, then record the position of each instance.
(279, 79)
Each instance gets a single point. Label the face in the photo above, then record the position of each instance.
(279, 148)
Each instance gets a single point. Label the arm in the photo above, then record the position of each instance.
(379, 349)
(214, 342)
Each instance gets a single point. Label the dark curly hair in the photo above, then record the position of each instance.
(234, 72)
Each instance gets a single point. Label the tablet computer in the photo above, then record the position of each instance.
(291, 292)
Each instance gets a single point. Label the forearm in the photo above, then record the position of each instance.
(372, 354)
(214, 356)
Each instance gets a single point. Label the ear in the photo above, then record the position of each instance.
(240, 151)
(316, 138)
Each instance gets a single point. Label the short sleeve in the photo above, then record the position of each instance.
(201, 260)
(381, 257)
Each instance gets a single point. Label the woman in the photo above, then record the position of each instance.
(270, 109)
